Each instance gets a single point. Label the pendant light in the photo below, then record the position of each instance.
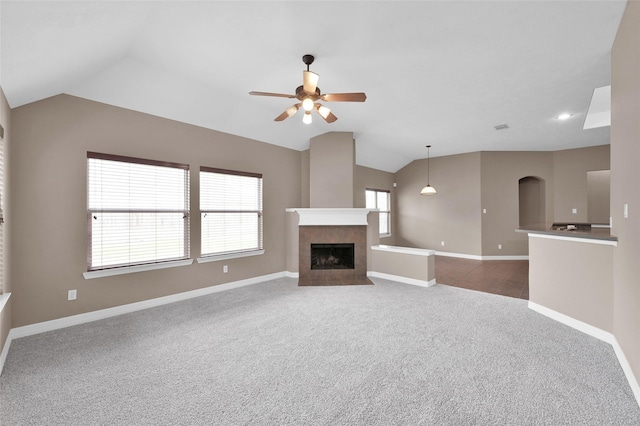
(428, 190)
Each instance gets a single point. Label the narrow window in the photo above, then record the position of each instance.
(381, 200)
(2, 201)
(138, 211)
(231, 211)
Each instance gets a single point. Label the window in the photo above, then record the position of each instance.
(381, 200)
(137, 211)
(231, 212)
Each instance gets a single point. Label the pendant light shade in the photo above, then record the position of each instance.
(428, 190)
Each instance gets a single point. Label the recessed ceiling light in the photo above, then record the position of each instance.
(564, 116)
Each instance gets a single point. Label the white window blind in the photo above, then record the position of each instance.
(381, 200)
(138, 211)
(231, 211)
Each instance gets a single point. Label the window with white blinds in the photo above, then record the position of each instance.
(231, 211)
(137, 211)
(381, 200)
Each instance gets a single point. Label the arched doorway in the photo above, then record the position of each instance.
(532, 194)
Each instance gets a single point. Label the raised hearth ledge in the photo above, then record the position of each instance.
(331, 216)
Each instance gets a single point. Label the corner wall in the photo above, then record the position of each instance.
(5, 312)
(625, 176)
(50, 139)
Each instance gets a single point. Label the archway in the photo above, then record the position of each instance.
(532, 194)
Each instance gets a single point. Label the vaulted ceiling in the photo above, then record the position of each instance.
(442, 73)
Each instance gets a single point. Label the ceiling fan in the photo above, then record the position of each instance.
(309, 94)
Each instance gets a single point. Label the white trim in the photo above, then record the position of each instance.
(574, 239)
(514, 257)
(5, 350)
(56, 324)
(404, 250)
(461, 255)
(290, 274)
(476, 257)
(4, 298)
(400, 279)
(605, 336)
(626, 368)
(596, 332)
(206, 259)
(132, 269)
(600, 226)
(331, 216)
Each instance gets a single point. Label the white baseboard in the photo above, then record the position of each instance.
(605, 336)
(476, 257)
(5, 351)
(29, 330)
(290, 274)
(398, 278)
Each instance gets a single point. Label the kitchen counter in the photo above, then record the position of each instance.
(584, 231)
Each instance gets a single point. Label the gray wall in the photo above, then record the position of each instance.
(470, 184)
(625, 176)
(366, 177)
(332, 160)
(570, 189)
(50, 141)
(452, 216)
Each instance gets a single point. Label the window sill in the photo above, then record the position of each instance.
(4, 298)
(385, 235)
(230, 256)
(132, 269)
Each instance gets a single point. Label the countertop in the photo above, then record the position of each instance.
(595, 233)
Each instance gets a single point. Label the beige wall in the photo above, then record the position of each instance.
(573, 278)
(50, 141)
(501, 173)
(452, 216)
(5, 315)
(625, 177)
(332, 161)
(368, 178)
(570, 185)
(469, 184)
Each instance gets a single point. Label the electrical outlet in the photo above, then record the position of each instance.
(225, 268)
(499, 246)
(442, 243)
(72, 294)
(484, 211)
(625, 212)
(574, 211)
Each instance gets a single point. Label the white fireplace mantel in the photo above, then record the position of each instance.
(331, 216)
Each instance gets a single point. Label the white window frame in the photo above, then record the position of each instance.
(381, 212)
(94, 271)
(256, 250)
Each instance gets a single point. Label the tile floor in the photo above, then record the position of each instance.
(504, 277)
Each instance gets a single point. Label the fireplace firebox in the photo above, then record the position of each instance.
(332, 256)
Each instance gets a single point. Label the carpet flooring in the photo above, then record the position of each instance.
(277, 354)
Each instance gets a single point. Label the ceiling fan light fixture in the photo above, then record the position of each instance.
(323, 111)
(292, 110)
(306, 119)
(307, 104)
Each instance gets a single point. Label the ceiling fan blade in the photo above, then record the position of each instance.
(309, 81)
(344, 97)
(325, 113)
(288, 112)
(277, 95)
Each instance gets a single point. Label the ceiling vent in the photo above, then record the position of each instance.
(501, 126)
